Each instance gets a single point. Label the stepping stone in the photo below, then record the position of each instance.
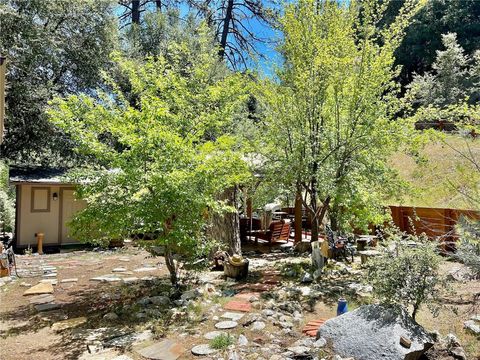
(119, 270)
(213, 334)
(49, 281)
(47, 307)
(232, 316)
(69, 323)
(124, 259)
(247, 295)
(238, 306)
(130, 280)
(42, 299)
(106, 278)
(145, 269)
(163, 350)
(50, 275)
(311, 328)
(40, 288)
(226, 324)
(69, 280)
(257, 326)
(148, 278)
(203, 349)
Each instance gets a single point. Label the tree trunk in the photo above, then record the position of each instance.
(225, 228)
(170, 262)
(225, 28)
(298, 216)
(136, 12)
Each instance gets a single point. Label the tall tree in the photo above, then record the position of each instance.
(166, 156)
(52, 48)
(329, 128)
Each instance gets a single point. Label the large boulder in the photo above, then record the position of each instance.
(374, 332)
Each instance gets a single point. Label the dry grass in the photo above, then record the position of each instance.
(434, 180)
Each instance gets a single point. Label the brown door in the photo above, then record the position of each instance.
(69, 207)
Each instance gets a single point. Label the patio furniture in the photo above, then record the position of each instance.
(338, 245)
(277, 231)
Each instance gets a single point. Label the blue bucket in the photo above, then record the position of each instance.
(342, 307)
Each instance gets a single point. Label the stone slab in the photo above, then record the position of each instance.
(41, 288)
(213, 334)
(202, 350)
(42, 299)
(311, 328)
(47, 307)
(69, 280)
(164, 350)
(238, 306)
(226, 324)
(69, 323)
(232, 316)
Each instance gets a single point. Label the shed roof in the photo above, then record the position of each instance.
(38, 175)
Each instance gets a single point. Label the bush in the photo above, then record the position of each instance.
(221, 341)
(408, 277)
(7, 210)
(469, 248)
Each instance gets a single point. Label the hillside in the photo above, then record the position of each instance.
(434, 181)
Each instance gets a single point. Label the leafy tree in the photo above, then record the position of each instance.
(328, 120)
(7, 209)
(423, 37)
(453, 78)
(409, 278)
(165, 156)
(52, 48)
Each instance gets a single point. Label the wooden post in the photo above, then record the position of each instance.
(249, 208)
(298, 217)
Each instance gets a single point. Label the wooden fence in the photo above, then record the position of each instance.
(436, 223)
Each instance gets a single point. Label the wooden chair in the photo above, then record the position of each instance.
(277, 231)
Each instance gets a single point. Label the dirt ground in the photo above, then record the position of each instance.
(27, 334)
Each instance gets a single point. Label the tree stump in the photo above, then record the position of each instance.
(236, 271)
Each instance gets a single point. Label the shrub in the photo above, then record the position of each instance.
(221, 341)
(408, 277)
(469, 248)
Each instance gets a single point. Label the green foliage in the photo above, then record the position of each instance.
(469, 248)
(328, 120)
(408, 277)
(163, 155)
(454, 78)
(52, 48)
(222, 341)
(7, 209)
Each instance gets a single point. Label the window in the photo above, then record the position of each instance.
(40, 199)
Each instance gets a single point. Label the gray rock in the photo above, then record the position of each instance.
(213, 334)
(203, 349)
(164, 350)
(226, 325)
(42, 299)
(189, 295)
(258, 326)
(307, 278)
(232, 316)
(299, 350)
(47, 307)
(242, 340)
(458, 353)
(160, 300)
(320, 343)
(111, 316)
(471, 326)
(373, 332)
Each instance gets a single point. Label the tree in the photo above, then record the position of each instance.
(52, 48)
(7, 209)
(409, 278)
(453, 78)
(328, 120)
(165, 157)
(422, 39)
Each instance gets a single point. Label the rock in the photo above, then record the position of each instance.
(471, 326)
(242, 340)
(129, 339)
(458, 353)
(299, 350)
(257, 326)
(233, 355)
(302, 247)
(373, 332)
(320, 343)
(160, 300)
(69, 280)
(47, 307)
(164, 350)
(307, 278)
(119, 270)
(49, 281)
(226, 325)
(42, 299)
(68, 324)
(268, 312)
(203, 349)
(213, 334)
(189, 295)
(232, 316)
(129, 280)
(111, 316)
(41, 288)
(106, 278)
